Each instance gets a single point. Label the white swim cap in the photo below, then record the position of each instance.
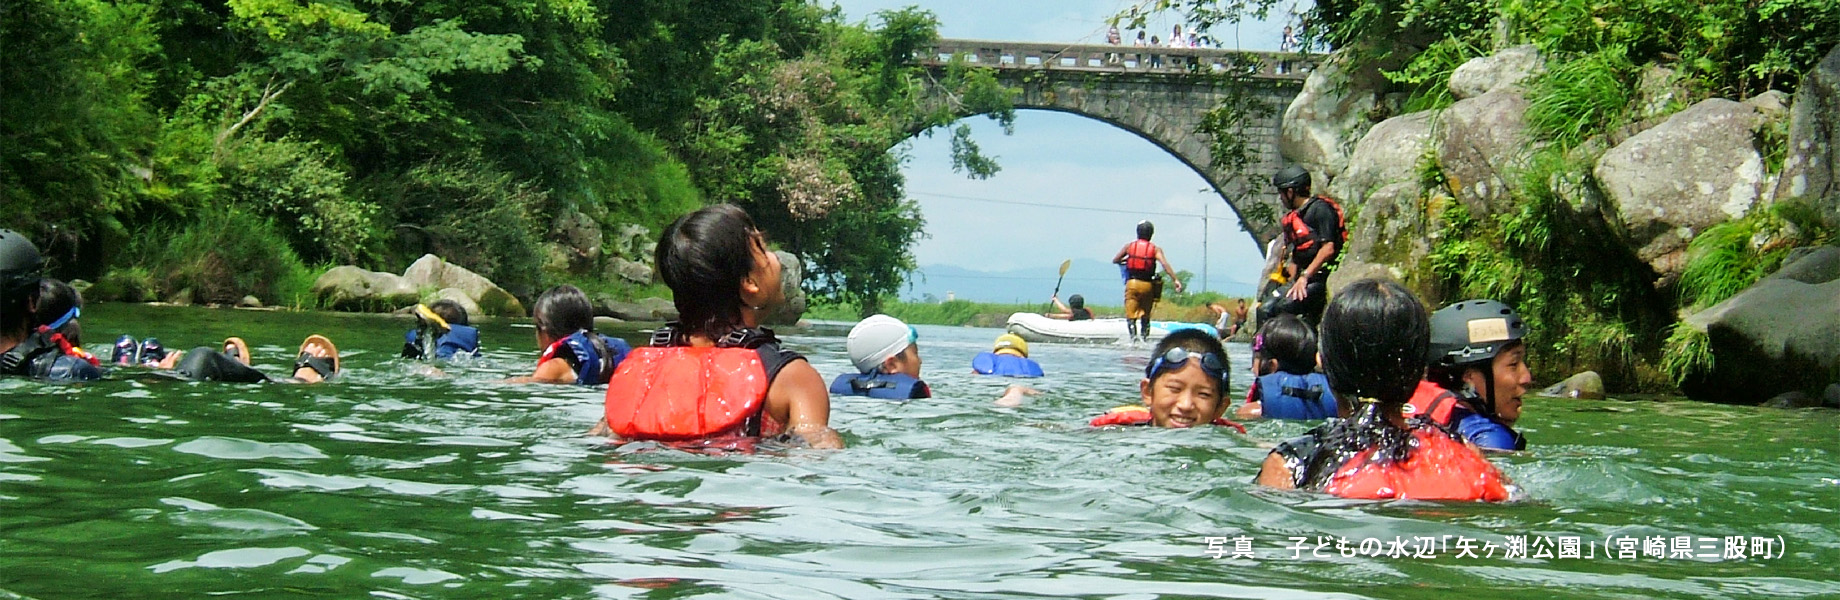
(876, 339)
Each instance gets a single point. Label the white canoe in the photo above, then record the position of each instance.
(1037, 328)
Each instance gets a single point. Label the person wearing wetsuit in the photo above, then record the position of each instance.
(1139, 260)
(441, 333)
(29, 347)
(886, 354)
(1477, 374)
(1314, 236)
(1373, 337)
(1074, 309)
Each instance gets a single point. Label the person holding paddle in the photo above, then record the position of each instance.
(1075, 307)
(1142, 286)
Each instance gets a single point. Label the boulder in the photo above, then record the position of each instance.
(1658, 89)
(1697, 169)
(1770, 104)
(629, 270)
(1782, 334)
(459, 296)
(1330, 114)
(249, 302)
(1392, 239)
(659, 308)
(1811, 168)
(1484, 144)
(1794, 399)
(1501, 70)
(431, 271)
(606, 306)
(791, 275)
(1587, 385)
(632, 242)
(580, 238)
(352, 288)
(1388, 154)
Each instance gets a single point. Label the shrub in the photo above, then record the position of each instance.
(221, 256)
(295, 184)
(473, 214)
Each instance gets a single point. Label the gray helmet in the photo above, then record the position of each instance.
(1472, 331)
(19, 262)
(1291, 177)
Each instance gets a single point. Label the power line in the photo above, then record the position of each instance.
(1064, 207)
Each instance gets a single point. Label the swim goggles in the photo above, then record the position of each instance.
(913, 335)
(1175, 357)
(71, 315)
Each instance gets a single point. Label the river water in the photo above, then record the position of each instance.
(390, 483)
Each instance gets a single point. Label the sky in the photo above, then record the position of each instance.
(1070, 187)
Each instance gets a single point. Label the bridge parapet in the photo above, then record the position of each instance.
(1120, 59)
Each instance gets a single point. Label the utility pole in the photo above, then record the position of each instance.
(1208, 205)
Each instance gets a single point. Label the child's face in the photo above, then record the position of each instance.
(907, 362)
(1183, 397)
(765, 276)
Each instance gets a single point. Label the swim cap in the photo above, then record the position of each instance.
(19, 263)
(877, 339)
(1011, 341)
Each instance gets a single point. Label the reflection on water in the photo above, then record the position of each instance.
(394, 483)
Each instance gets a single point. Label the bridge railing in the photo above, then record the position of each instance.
(1120, 59)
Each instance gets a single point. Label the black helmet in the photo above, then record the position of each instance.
(19, 262)
(1076, 301)
(1472, 331)
(1291, 177)
(1145, 229)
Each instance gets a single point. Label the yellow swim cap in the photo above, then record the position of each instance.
(1012, 342)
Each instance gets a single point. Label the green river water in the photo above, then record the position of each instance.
(387, 483)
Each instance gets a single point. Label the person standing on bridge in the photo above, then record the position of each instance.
(1142, 287)
(1314, 234)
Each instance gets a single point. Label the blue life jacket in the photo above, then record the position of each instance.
(460, 340)
(1007, 365)
(1285, 395)
(1485, 432)
(886, 386)
(584, 355)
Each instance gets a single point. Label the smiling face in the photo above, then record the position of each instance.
(1183, 397)
(1512, 376)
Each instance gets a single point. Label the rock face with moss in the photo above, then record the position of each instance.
(1781, 335)
(1699, 168)
(1811, 168)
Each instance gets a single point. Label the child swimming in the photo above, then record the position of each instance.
(1287, 385)
(716, 373)
(1184, 385)
(1374, 338)
(886, 354)
(1477, 374)
(441, 333)
(572, 351)
(1008, 357)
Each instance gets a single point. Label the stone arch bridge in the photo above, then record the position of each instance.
(1159, 94)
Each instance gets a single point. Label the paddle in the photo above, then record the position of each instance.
(1057, 282)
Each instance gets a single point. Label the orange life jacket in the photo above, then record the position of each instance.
(1132, 415)
(1432, 401)
(684, 393)
(1299, 234)
(1140, 255)
(1439, 468)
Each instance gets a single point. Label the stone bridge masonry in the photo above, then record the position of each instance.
(1162, 100)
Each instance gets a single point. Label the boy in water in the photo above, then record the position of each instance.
(441, 333)
(1008, 357)
(886, 353)
(1184, 385)
(1287, 385)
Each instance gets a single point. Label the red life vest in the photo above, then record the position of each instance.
(1432, 401)
(687, 393)
(1133, 415)
(1439, 468)
(1298, 233)
(1140, 255)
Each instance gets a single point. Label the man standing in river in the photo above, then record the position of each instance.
(1141, 287)
(1314, 234)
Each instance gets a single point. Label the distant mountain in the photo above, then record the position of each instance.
(1095, 279)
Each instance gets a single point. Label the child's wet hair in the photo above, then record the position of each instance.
(561, 311)
(1374, 337)
(1288, 340)
(704, 257)
(449, 311)
(1196, 342)
(56, 299)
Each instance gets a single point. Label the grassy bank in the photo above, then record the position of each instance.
(965, 313)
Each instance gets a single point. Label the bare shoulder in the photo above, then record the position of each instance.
(1274, 474)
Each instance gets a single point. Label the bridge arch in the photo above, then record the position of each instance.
(1163, 104)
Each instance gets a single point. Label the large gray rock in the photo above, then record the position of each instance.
(1587, 385)
(791, 275)
(1326, 119)
(1392, 239)
(353, 288)
(1499, 71)
(1697, 169)
(1484, 144)
(1811, 170)
(460, 297)
(580, 239)
(1782, 334)
(1389, 234)
(629, 270)
(1388, 154)
(431, 271)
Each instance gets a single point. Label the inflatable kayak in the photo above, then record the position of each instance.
(1037, 328)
